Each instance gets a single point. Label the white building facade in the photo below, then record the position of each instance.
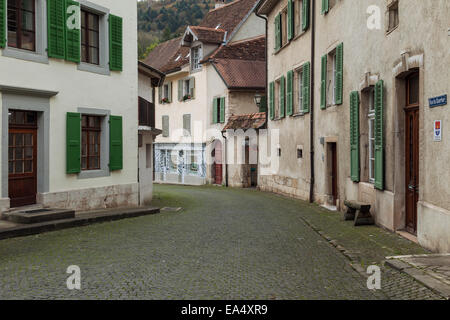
(68, 100)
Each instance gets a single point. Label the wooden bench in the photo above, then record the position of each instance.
(358, 212)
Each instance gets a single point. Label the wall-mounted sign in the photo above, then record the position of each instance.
(438, 101)
(438, 130)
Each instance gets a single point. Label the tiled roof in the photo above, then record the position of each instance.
(242, 74)
(250, 49)
(229, 16)
(168, 56)
(242, 64)
(246, 121)
(208, 35)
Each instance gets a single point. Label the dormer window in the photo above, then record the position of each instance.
(196, 56)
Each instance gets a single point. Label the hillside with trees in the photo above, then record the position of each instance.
(159, 21)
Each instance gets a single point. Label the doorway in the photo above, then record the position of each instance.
(333, 171)
(412, 152)
(22, 158)
(217, 166)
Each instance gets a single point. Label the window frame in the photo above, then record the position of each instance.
(392, 7)
(298, 85)
(104, 144)
(39, 54)
(19, 26)
(88, 131)
(103, 67)
(331, 78)
(86, 31)
(196, 57)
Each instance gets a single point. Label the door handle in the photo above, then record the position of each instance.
(411, 187)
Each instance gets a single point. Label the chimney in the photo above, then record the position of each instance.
(219, 3)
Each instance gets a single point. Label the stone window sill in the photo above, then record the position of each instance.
(25, 55)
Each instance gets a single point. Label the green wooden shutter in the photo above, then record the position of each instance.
(115, 43)
(339, 73)
(170, 91)
(222, 110)
(73, 36)
(215, 105)
(282, 96)
(277, 32)
(305, 15)
(73, 142)
(180, 90)
(306, 87)
(165, 126)
(272, 101)
(354, 136)
(160, 95)
(379, 135)
(187, 123)
(2, 23)
(290, 93)
(290, 20)
(56, 19)
(115, 143)
(323, 83)
(325, 6)
(192, 87)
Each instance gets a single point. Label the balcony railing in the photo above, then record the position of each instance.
(146, 113)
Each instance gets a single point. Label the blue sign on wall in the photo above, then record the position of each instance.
(438, 101)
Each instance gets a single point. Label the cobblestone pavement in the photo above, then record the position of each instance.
(224, 244)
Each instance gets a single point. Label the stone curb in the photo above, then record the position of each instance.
(355, 262)
(36, 228)
(428, 281)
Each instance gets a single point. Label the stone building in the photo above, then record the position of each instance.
(353, 86)
(212, 72)
(69, 102)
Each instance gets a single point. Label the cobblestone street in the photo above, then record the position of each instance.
(224, 244)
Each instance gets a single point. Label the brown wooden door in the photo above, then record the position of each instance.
(412, 153)
(334, 189)
(218, 173)
(22, 166)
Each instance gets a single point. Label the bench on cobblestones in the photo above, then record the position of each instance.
(359, 212)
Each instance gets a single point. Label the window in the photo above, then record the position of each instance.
(146, 113)
(165, 93)
(277, 98)
(90, 38)
(90, 142)
(21, 24)
(196, 58)
(284, 27)
(371, 118)
(331, 78)
(299, 90)
(393, 19)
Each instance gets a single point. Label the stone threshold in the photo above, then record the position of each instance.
(82, 218)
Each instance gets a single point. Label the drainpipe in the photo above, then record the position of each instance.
(226, 159)
(267, 64)
(311, 128)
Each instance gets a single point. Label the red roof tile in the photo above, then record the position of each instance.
(229, 16)
(208, 35)
(168, 56)
(246, 121)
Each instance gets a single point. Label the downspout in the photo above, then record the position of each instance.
(226, 159)
(267, 62)
(311, 125)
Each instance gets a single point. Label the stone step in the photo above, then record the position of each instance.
(36, 215)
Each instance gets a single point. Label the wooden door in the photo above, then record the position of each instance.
(218, 163)
(412, 153)
(334, 188)
(22, 158)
